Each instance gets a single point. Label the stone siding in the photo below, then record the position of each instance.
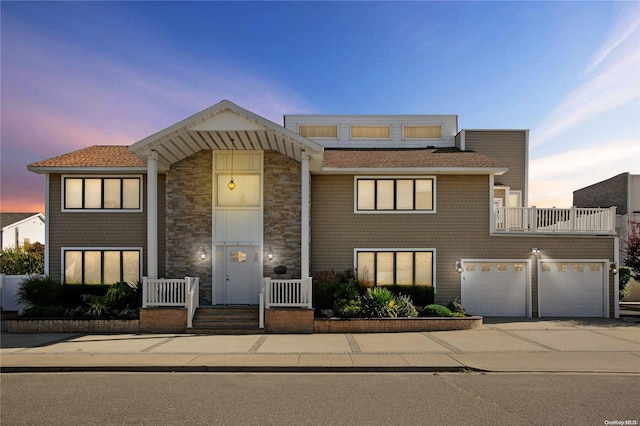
(189, 206)
(282, 214)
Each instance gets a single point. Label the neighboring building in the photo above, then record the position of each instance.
(20, 229)
(406, 199)
(623, 193)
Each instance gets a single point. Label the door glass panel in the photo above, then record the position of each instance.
(238, 256)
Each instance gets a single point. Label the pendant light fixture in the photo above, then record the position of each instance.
(231, 185)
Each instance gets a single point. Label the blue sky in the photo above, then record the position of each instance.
(76, 74)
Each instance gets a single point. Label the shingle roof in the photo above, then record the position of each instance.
(406, 158)
(7, 219)
(94, 156)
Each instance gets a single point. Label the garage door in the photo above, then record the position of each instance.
(492, 288)
(571, 289)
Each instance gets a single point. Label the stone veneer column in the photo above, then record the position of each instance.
(282, 214)
(189, 220)
(305, 219)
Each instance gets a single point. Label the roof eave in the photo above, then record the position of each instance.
(92, 170)
(418, 170)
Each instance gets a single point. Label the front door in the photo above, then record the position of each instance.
(238, 275)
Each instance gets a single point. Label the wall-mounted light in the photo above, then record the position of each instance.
(459, 268)
(535, 251)
(613, 268)
(270, 254)
(203, 254)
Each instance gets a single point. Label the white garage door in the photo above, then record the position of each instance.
(492, 288)
(571, 289)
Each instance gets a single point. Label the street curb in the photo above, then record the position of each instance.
(239, 369)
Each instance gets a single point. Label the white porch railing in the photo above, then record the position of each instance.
(550, 221)
(288, 293)
(172, 292)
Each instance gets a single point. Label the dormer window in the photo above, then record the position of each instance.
(422, 132)
(370, 132)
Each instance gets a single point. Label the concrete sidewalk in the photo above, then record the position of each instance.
(501, 345)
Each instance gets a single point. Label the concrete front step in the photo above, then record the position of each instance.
(226, 320)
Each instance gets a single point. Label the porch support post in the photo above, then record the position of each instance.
(306, 217)
(152, 215)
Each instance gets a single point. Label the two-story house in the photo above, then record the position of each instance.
(230, 197)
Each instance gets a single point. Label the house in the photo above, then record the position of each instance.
(623, 193)
(242, 203)
(20, 229)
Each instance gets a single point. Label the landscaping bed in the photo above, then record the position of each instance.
(395, 325)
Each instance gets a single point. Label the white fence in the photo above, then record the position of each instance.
(288, 293)
(172, 292)
(571, 221)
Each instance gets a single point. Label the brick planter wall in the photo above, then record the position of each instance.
(73, 326)
(163, 320)
(394, 325)
(289, 320)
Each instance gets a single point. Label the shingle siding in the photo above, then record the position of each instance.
(506, 146)
(97, 229)
(608, 193)
(459, 230)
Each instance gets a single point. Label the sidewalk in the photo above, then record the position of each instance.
(501, 345)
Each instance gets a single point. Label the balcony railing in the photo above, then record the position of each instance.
(592, 221)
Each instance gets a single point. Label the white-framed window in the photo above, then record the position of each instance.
(395, 266)
(320, 131)
(102, 193)
(421, 132)
(101, 265)
(370, 132)
(395, 194)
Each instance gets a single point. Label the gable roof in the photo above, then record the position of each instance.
(431, 160)
(215, 127)
(7, 219)
(111, 157)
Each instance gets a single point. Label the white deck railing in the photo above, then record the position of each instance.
(172, 292)
(288, 293)
(571, 221)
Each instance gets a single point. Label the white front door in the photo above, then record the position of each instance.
(238, 275)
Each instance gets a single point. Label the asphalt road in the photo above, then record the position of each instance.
(318, 399)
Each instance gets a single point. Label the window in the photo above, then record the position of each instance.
(101, 266)
(370, 132)
(395, 195)
(421, 132)
(320, 131)
(402, 267)
(518, 267)
(101, 193)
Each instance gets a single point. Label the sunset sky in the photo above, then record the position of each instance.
(76, 74)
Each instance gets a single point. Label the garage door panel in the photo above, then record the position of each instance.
(571, 289)
(495, 288)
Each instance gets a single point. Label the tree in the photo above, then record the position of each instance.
(632, 248)
(25, 260)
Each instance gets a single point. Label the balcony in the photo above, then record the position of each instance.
(573, 221)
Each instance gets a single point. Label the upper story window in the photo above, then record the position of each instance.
(370, 132)
(422, 132)
(102, 193)
(399, 195)
(319, 131)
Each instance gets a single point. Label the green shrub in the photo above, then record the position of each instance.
(456, 307)
(405, 306)
(22, 260)
(325, 285)
(38, 291)
(379, 302)
(71, 295)
(436, 311)
(421, 295)
(624, 279)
